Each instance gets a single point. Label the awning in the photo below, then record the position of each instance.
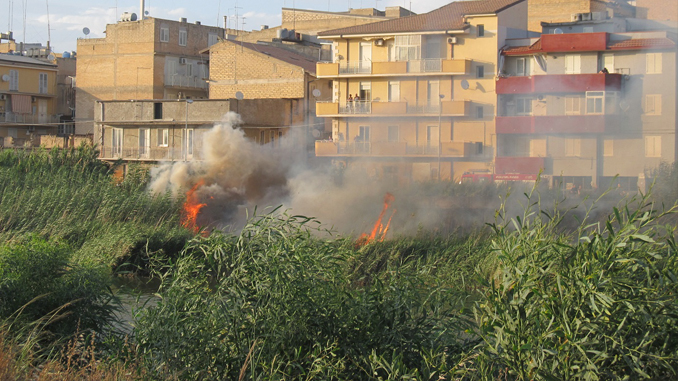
(21, 104)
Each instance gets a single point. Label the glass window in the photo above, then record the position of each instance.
(572, 147)
(116, 142)
(594, 102)
(394, 91)
(164, 34)
(573, 64)
(480, 112)
(13, 80)
(480, 30)
(163, 137)
(653, 146)
(572, 105)
(407, 48)
(653, 104)
(654, 63)
(212, 39)
(43, 83)
(480, 71)
(524, 106)
(183, 37)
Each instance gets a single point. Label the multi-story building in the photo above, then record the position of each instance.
(172, 130)
(27, 100)
(553, 11)
(414, 98)
(261, 71)
(148, 58)
(585, 107)
(661, 10)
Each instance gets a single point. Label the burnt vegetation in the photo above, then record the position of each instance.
(555, 287)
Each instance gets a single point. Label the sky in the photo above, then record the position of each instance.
(67, 18)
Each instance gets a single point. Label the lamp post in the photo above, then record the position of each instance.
(188, 101)
(440, 142)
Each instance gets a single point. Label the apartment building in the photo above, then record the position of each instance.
(27, 100)
(151, 131)
(414, 98)
(148, 58)
(553, 11)
(585, 107)
(262, 71)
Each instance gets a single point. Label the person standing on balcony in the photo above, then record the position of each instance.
(349, 103)
(356, 99)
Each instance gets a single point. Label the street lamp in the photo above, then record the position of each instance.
(440, 141)
(188, 101)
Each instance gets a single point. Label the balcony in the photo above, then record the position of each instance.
(561, 83)
(394, 149)
(556, 124)
(10, 117)
(390, 68)
(143, 154)
(518, 166)
(362, 108)
(183, 81)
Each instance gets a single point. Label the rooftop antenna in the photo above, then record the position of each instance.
(9, 15)
(218, 14)
(376, 4)
(23, 43)
(49, 34)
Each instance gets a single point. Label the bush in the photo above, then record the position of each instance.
(600, 304)
(39, 282)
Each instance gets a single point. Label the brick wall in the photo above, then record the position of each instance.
(256, 75)
(664, 10)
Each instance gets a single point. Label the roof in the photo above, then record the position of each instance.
(447, 17)
(281, 54)
(24, 60)
(630, 44)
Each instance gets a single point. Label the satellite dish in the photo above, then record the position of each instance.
(239, 96)
(316, 93)
(146, 13)
(557, 31)
(464, 84)
(85, 31)
(5, 78)
(624, 105)
(315, 133)
(51, 57)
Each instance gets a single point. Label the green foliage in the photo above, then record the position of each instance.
(70, 195)
(39, 280)
(596, 305)
(282, 304)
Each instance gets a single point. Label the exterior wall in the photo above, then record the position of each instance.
(130, 64)
(312, 22)
(561, 10)
(664, 10)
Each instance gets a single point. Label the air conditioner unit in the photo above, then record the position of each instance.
(451, 40)
(182, 61)
(576, 17)
(34, 99)
(586, 17)
(379, 42)
(3, 97)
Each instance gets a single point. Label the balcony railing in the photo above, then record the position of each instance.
(185, 81)
(144, 153)
(445, 108)
(10, 117)
(359, 107)
(559, 83)
(382, 148)
(420, 66)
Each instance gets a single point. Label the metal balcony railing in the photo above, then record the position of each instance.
(359, 107)
(10, 117)
(185, 81)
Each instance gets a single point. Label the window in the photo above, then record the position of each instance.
(480, 112)
(573, 64)
(594, 102)
(524, 106)
(13, 80)
(163, 137)
(572, 105)
(480, 30)
(653, 104)
(364, 134)
(366, 91)
(433, 93)
(432, 136)
(116, 142)
(189, 69)
(144, 142)
(183, 37)
(189, 143)
(653, 146)
(43, 83)
(654, 63)
(608, 147)
(433, 45)
(607, 62)
(271, 137)
(393, 134)
(212, 39)
(157, 110)
(394, 91)
(164, 34)
(171, 67)
(262, 137)
(572, 147)
(480, 71)
(407, 48)
(522, 68)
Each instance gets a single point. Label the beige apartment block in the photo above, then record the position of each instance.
(145, 59)
(152, 131)
(661, 10)
(28, 107)
(584, 108)
(426, 90)
(552, 11)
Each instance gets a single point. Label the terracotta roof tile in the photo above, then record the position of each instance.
(448, 17)
(642, 43)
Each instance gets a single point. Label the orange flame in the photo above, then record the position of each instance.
(191, 209)
(378, 231)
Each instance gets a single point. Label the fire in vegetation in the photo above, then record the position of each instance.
(191, 209)
(379, 230)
